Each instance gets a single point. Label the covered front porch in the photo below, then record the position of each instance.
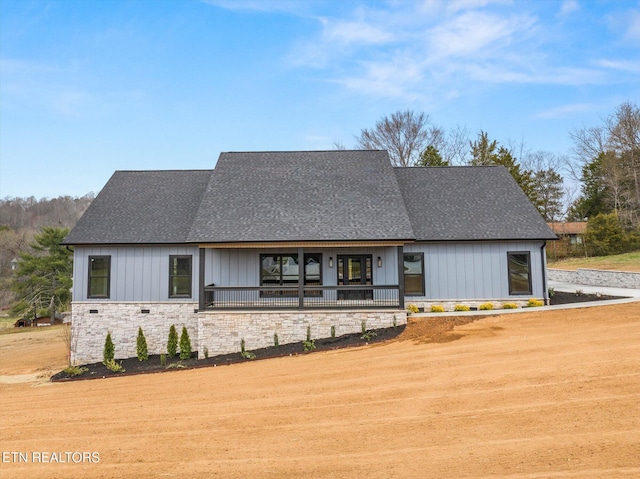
(268, 276)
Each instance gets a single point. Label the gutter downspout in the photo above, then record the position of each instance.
(545, 293)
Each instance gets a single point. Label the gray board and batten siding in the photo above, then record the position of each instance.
(138, 273)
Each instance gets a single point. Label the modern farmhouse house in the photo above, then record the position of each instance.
(275, 242)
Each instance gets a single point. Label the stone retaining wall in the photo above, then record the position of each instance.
(89, 329)
(221, 332)
(596, 277)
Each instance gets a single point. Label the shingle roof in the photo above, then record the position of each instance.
(142, 207)
(302, 195)
(337, 195)
(468, 203)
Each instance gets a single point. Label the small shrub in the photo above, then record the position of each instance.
(75, 370)
(509, 306)
(141, 346)
(109, 350)
(333, 331)
(114, 366)
(368, 335)
(412, 308)
(177, 365)
(276, 340)
(244, 353)
(206, 352)
(486, 307)
(185, 344)
(552, 292)
(534, 303)
(172, 342)
(309, 333)
(309, 345)
(579, 292)
(437, 308)
(395, 321)
(163, 359)
(461, 307)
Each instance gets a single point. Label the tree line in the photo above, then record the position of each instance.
(600, 176)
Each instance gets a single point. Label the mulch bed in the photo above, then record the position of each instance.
(152, 365)
(437, 333)
(560, 297)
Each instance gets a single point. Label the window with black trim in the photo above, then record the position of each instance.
(99, 276)
(180, 276)
(414, 274)
(519, 263)
(283, 270)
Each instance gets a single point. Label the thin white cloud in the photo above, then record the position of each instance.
(629, 66)
(282, 6)
(565, 111)
(568, 7)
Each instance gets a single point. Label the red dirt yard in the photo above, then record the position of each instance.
(531, 395)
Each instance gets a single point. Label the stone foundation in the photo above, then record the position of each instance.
(220, 332)
(89, 329)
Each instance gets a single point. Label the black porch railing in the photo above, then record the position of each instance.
(306, 297)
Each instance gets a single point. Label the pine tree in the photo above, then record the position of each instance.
(172, 343)
(141, 346)
(109, 350)
(185, 344)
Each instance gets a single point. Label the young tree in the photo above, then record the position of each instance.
(185, 344)
(604, 235)
(404, 135)
(108, 353)
(172, 342)
(141, 346)
(549, 192)
(42, 278)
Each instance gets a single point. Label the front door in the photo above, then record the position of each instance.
(354, 270)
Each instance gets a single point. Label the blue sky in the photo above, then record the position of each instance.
(89, 87)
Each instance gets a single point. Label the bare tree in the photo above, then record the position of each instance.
(623, 128)
(404, 134)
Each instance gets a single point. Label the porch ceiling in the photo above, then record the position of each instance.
(304, 244)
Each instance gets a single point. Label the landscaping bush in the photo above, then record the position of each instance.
(108, 353)
(437, 308)
(244, 353)
(412, 308)
(141, 346)
(534, 303)
(509, 306)
(185, 344)
(172, 342)
(461, 307)
(486, 307)
(115, 367)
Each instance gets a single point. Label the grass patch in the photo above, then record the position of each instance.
(616, 262)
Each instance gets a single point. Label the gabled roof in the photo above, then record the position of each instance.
(337, 195)
(469, 203)
(302, 196)
(142, 207)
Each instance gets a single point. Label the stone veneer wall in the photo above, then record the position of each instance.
(596, 277)
(220, 332)
(89, 330)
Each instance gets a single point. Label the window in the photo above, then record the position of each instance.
(283, 270)
(519, 272)
(414, 274)
(180, 276)
(99, 276)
